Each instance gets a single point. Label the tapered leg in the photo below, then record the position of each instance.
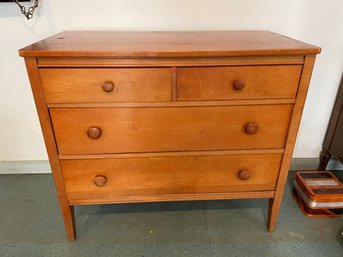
(67, 212)
(273, 213)
(324, 159)
(69, 220)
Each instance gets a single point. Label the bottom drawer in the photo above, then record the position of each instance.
(147, 176)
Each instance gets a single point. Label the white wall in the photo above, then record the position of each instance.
(318, 22)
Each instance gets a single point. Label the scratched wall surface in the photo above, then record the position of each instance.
(316, 22)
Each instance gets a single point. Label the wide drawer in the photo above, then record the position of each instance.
(125, 130)
(107, 179)
(84, 85)
(242, 82)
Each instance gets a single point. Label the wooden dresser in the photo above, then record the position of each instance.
(169, 116)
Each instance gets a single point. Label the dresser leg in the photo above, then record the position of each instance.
(324, 159)
(69, 220)
(273, 213)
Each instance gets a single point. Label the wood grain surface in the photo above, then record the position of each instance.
(85, 85)
(127, 130)
(169, 175)
(167, 44)
(217, 83)
(98, 62)
(239, 102)
(275, 203)
(51, 147)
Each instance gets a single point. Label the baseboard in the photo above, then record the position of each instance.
(313, 163)
(304, 164)
(24, 167)
(36, 167)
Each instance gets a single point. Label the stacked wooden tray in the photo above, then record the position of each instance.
(319, 194)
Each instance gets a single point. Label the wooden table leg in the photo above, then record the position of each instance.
(324, 159)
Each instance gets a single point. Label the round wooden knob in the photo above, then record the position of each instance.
(107, 86)
(100, 181)
(244, 174)
(251, 128)
(238, 85)
(94, 132)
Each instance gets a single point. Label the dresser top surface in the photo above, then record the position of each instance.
(123, 44)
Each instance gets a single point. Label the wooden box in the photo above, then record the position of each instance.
(318, 193)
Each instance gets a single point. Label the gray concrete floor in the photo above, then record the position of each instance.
(31, 225)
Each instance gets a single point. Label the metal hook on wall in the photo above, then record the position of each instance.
(29, 12)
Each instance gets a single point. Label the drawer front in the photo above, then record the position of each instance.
(110, 178)
(106, 85)
(125, 130)
(244, 82)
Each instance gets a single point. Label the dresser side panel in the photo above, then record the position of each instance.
(275, 203)
(50, 143)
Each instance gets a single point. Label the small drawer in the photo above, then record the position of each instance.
(242, 82)
(133, 130)
(96, 85)
(96, 180)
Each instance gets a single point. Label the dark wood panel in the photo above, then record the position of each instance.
(333, 141)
